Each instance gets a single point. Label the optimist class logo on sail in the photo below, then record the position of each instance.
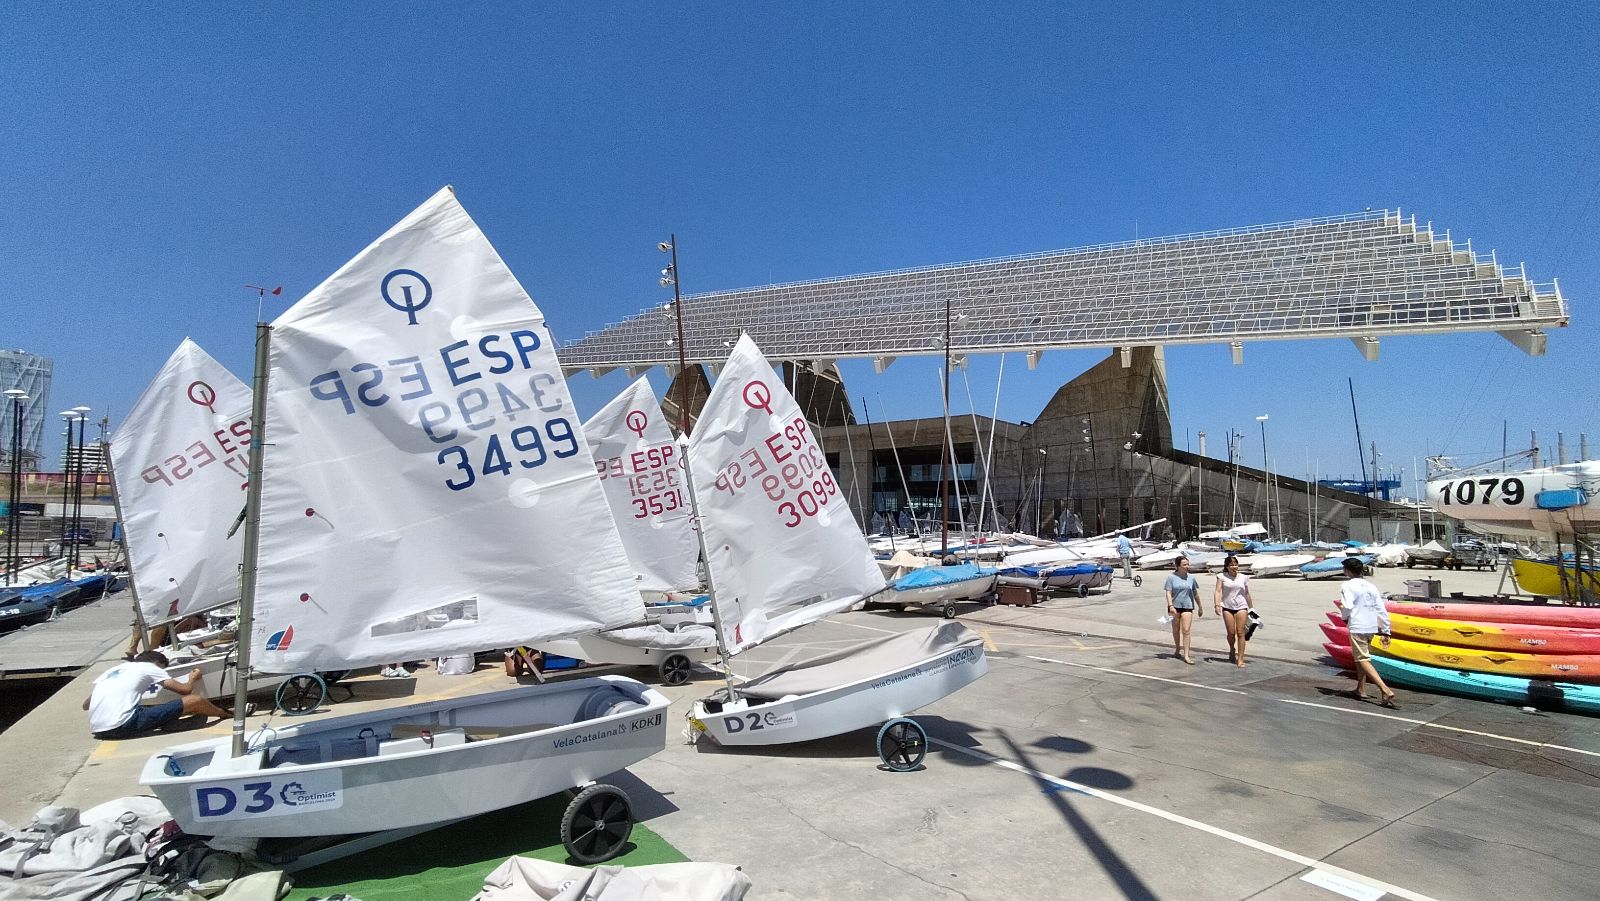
(787, 465)
(482, 400)
(228, 445)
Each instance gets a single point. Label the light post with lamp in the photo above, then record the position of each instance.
(14, 540)
(77, 490)
(1038, 500)
(1266, 469)
(669, 276)
(70, 416)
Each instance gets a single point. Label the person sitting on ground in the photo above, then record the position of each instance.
(114, 709)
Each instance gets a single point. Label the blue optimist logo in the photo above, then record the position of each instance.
(280, 641)
(407, 291)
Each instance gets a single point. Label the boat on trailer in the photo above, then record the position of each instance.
(388, 515)
(939, 587)
(641, 470)
(780, 559)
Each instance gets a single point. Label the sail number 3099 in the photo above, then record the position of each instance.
(1482, 491)
(527, 442)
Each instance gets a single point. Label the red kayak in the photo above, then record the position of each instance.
(1529, 614)
(1490, 636)
(1338, 634)
(1340, 654)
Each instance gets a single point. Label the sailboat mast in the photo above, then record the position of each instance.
(252, 533)
(944, 474)
(705, 554)
(122, 539)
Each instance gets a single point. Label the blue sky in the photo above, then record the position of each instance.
(159, 159)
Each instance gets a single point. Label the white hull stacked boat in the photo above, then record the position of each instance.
(848, 690)
(1551, 500)
(1279, 564)
(673, 654)
(411, 766)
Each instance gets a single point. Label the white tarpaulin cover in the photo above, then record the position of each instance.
(642, 471)
(781, 545)
(527, 879)
(867, 660)
(181, 460)
(428, 490)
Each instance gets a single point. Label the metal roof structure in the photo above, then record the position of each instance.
(1359, 276)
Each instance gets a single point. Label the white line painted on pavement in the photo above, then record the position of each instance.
(1169, 816)
(1123, 672)
(1346, 887)
(1406, 719)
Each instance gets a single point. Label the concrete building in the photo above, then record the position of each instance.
(1099, 455)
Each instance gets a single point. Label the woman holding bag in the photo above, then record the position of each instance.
(1233, 603)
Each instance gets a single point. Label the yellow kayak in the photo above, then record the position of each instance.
(1525, 638)
(1541, 577)
(1567, 667)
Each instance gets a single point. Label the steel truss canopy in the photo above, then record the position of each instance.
(1359, 276)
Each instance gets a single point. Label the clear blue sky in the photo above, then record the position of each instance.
(158, 160)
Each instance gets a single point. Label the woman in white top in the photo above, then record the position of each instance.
(1233, 603)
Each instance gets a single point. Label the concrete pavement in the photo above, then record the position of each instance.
(1087, 763)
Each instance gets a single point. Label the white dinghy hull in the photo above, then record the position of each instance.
(937, 595)
(217, 673)
(596, 648)
(411, 766)
(849, 706)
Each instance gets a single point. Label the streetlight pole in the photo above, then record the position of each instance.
(66, 481)
(1266, 470)
(1038, 501)
(77, 491)
(13, 540)
(1200, 509)
(669, 275)
(944, 450)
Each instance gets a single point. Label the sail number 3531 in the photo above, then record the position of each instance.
(529, 449)
(1483, 491)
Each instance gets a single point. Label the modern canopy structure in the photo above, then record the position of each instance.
(1360, 276)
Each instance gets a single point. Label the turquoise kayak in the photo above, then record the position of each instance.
(1530, 692)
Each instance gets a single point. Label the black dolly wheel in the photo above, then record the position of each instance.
(597, 823)
(676, 669)
(301, 694)
(1083, 590)
(902, 743)
(1137, 581)
(949, 611)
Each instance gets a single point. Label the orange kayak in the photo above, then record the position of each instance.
(1527, 638)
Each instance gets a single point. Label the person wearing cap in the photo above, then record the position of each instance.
(1367, 617)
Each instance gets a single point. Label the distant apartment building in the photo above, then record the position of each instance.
(30, 374)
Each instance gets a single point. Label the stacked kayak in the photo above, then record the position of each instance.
(1525, 654)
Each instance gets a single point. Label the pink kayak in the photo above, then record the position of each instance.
(1340, 654)
(1338, 634)
(1530, 614)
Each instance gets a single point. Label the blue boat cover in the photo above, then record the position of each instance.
(940, 575)
(1333, 563)
(700, 601)
(1256, 547)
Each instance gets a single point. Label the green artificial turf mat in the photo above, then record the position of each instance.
(449, 864)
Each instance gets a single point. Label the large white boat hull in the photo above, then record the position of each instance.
(410, 766)
(218, 674)
(844, 709)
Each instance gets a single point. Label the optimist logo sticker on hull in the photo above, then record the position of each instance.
(245, 799)
(759, 720)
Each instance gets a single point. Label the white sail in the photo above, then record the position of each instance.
(642, 471)
(427, 487)
(181, 461)
(781, 545)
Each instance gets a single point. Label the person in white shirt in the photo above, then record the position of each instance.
(1367, 616)
(114, 708)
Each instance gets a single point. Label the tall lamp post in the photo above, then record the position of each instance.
(669, 276)
(1038, 500)
(77, 488)
(13, 540)
(1266, 469)
(70, 416)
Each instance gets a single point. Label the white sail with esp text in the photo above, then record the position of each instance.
(781, 545)
(427, 487)
(181, 461)
(641, 470)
